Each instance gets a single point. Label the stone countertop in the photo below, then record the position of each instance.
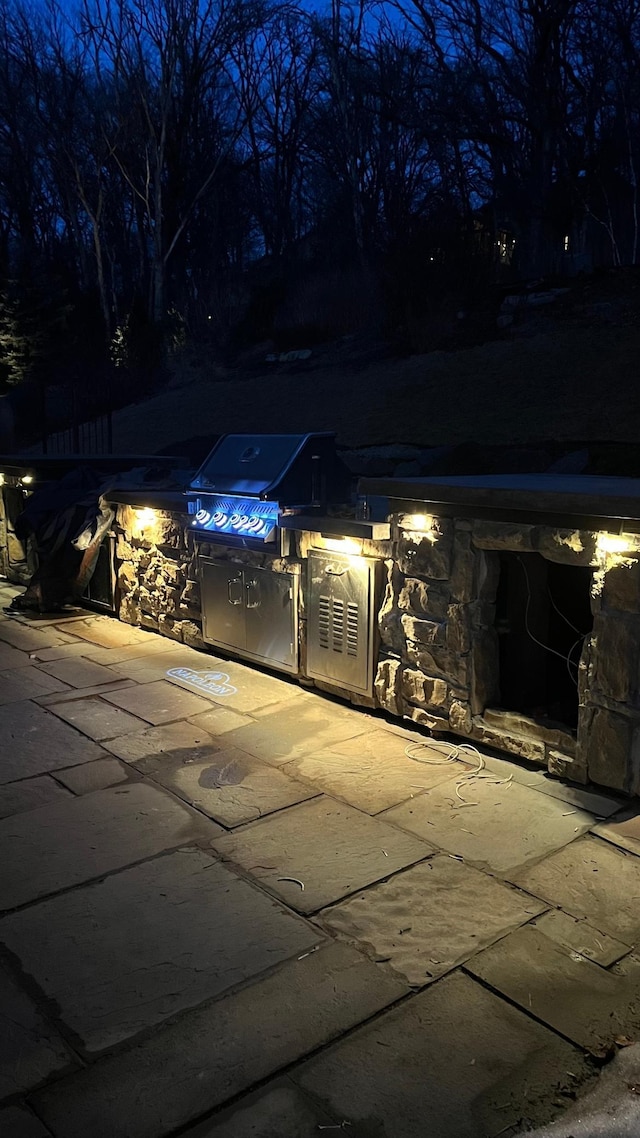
(153, 497)
(582, 500)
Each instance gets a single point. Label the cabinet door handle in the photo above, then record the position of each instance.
(234, 590)
(253, 594)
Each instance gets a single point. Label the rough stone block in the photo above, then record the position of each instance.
(503, 535)
(430, 661)
(435, 723)
(15, 549)
(423, 631)
(169, 597)
(531, 749)
(484, 679)
(147, 620)
(189, 612)
(458, 631)
(564, 766)
(172, 572)
(621, 586)
(169, 626)
(151, 579)
(168, 531)
(127, 576)
(609, 748)
(129, 610)
(423, 690)
(422, 599)
(463, 568)
(516, 724)
(150, 602)
(615, 665)
(192, 634)
(487, 575)
(567, 547)
(481, 615)
(460, 717)
(391, 633)
(423, 557)
(586, 671)
(388, 686)
(124, 549)
(190, 594)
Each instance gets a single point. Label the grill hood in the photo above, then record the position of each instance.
(295, 470)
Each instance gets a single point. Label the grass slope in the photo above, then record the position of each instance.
(575, 383)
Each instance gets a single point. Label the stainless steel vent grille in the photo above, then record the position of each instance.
(333, 632)
(324, 621)
(352, 629)
(338, 626)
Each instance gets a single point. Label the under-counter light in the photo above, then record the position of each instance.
(419, 526)
(341, 544)
(617, 543)
(143, 524)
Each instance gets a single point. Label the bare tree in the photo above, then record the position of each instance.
(173, 117)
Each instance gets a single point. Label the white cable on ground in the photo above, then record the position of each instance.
(454, 752)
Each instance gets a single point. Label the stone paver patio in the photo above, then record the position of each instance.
(254, 913)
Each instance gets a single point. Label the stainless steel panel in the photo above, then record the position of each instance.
(271, 624)
(252, 611)
(222, 592)
(339, 620)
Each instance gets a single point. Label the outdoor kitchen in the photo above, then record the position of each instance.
(502, 610)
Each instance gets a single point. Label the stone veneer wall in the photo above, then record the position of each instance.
(438, 662)
(437, 658)
(156, 580)
(17, 560)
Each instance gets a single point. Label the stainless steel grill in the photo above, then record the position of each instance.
(248, 482)
(238, 499)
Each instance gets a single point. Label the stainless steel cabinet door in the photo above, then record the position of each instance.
(340, 611)
(223, 600)
(271, 624)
